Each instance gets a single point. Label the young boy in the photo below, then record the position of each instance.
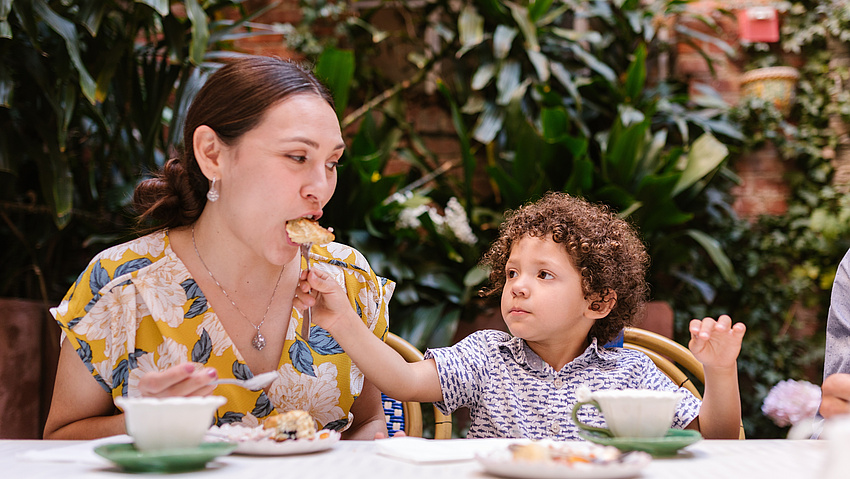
(571, 277)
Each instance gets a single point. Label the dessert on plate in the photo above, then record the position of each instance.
(295, 424)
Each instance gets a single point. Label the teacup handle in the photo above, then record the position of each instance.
(588, 427)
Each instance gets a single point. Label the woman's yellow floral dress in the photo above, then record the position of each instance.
(136, 309)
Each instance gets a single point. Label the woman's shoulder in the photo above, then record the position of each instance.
(132, 255)
(110, 266)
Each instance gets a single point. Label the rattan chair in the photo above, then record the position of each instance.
(411, 410)
(666, 354)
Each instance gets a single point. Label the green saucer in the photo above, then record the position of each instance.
(660, 446)
(167, 460)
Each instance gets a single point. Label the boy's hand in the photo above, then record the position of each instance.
(331, 306)
(716, 343)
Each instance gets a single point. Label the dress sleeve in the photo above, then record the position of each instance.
(837, 357)
(92, 317)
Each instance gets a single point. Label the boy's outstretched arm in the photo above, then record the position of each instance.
(380, 363)
(716, 345)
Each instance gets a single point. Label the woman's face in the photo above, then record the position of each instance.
(283, 169)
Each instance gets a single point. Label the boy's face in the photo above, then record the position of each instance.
(542, 301)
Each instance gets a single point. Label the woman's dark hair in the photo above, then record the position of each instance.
(231, 102)
(604, 248)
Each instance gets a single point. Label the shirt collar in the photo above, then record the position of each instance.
(525, 356)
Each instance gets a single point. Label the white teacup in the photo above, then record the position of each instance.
(638, 413)
(173, 422)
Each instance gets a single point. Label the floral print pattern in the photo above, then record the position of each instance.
(136, 309)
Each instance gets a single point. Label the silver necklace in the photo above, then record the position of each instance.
(258, 341)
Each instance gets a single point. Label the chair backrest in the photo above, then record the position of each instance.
(411, 410)
(666, 354)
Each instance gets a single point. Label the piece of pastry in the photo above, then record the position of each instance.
(305, 230)
(531, 452)
(291, 425)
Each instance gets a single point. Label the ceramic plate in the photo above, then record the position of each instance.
(168, 460)
(662, 446)
(255, 441)
(502, 464)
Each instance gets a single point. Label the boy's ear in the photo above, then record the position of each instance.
(600, 304)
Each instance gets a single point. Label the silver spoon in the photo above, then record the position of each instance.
(255, 383)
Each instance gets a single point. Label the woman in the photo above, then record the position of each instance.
(211, 293)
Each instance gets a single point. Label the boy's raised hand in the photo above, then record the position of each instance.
(331, 306)
(716, 343)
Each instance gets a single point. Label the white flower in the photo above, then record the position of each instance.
(789, 402)
(355, 380)
(218, 336)
(317, 395)
(170, 353)
(104, 369)
(163, 295)
(150, 245)
(458, 223)
(409, 217)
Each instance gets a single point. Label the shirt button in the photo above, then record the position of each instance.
(556, 428)
(558, 383)
(515, 432)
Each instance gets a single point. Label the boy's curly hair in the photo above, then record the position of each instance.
(605, 250)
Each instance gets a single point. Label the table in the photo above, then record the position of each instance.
(714, 459)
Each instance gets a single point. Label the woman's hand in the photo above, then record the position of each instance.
(716, 343)
(187, 379)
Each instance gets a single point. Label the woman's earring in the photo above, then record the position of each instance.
(212, 194)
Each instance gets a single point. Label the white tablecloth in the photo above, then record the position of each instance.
(751, 459)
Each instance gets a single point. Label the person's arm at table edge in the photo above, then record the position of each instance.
(381, 364)
(80, 408)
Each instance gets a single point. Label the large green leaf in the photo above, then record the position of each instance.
(705, 155)
(469, 161)
(470, 29)
(336, 68)
(5, 28)
(161, 6)
(717, 255)
(624, 150)
(636, 75)
(66, 29)
(538, 8)
(200, 31)
(523, 19)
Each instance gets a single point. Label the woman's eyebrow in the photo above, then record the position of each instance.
(311, 143)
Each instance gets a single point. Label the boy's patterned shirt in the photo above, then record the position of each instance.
(511, 392)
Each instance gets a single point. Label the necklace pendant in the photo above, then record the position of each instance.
(259, 341)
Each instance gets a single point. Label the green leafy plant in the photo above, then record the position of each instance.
(540, 105)
(91, 93)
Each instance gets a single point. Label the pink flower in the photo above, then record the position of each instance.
(791, 401)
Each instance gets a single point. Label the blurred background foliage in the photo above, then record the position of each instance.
(91, 95)
(574, 96)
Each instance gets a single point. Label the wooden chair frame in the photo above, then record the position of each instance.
(666, 353)
(413, 409)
